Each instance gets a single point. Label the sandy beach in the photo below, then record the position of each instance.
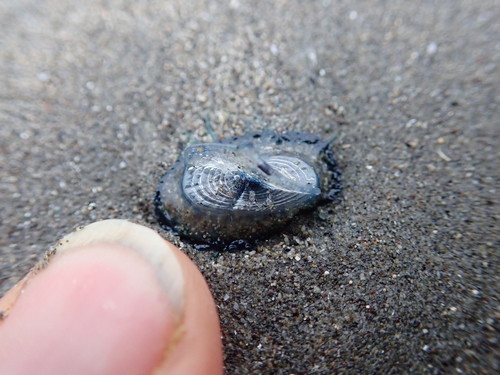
(402, 275)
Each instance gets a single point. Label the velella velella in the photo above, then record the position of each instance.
(242, 188)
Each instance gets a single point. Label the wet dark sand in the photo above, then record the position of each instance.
(402, 276)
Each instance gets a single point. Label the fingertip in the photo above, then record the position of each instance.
(116, 298)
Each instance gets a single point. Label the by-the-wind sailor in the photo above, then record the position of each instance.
(242, 188)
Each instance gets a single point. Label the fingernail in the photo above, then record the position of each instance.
(144, 241)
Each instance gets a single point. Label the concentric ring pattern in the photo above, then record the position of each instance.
(289, 182)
